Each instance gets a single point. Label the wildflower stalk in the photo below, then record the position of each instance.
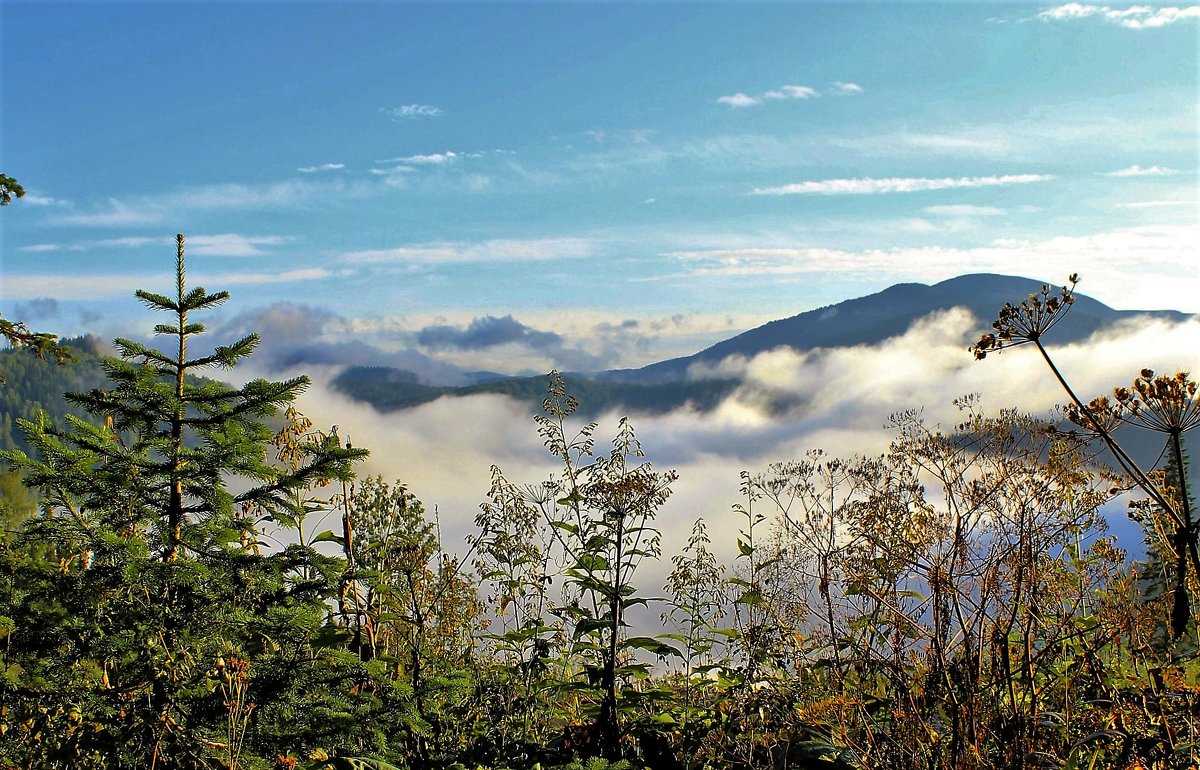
(1162, 404)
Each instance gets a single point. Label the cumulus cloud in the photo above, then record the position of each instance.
(322, 167)
(504, 343)
(437, 351)
(295, 335)
(485, 332)
(1133, 17)
(412, 111)
(1136, 170)
(869, 186)
(496, 250)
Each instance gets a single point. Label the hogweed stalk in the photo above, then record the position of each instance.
(1164, 404)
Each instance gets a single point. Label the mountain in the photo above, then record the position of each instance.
(653, 389)
(664, 386)
(872, 319)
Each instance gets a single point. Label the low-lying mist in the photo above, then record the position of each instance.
(837, 400)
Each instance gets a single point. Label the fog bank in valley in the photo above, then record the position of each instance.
(837, 400)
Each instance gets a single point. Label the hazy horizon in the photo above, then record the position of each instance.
(587, 186)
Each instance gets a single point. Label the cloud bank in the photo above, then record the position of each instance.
(840, 399)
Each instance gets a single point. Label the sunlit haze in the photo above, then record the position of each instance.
(514, 187)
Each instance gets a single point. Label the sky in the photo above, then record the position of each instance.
(513, 187)
(585, 185)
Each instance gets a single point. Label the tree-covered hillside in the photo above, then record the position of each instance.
(389, 389)
(29, 384)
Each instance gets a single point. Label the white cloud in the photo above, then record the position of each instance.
(39, 248)
(98, 286)
(128, 242)
(964, 210)
(610, 335)
(497, 250)
(739, 100)
(31, 199)
(1133, 17)
(1136, 170)
(1157, 204)
(66, 287)
(232, 244)
(114, 213)
(288, 276)
(237, 196)
(1150, 266)
(322, 167)
(846, 88)
(1069, 11)
(791, 92)
(170, 206)
(869, 186)
(776, 94)
(222, 245)
(412, 111)
(434, 159)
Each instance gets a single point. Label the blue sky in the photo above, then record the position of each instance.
(586, 185)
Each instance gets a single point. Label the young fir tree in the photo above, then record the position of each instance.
(141, 623)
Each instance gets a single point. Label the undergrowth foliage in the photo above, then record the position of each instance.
(207, 584)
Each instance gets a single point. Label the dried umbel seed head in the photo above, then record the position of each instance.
(1101, 415)
(1028, 321)
(1166, 403)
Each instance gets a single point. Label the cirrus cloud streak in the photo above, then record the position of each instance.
(496, 250)
(870, 186)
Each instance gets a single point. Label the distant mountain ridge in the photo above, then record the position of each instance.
(664, 385)
(876, 317)
(654, 389)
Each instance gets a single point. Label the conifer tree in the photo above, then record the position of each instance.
(140, 599)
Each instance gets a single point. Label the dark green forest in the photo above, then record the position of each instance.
(29, 385)
(169, 598)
